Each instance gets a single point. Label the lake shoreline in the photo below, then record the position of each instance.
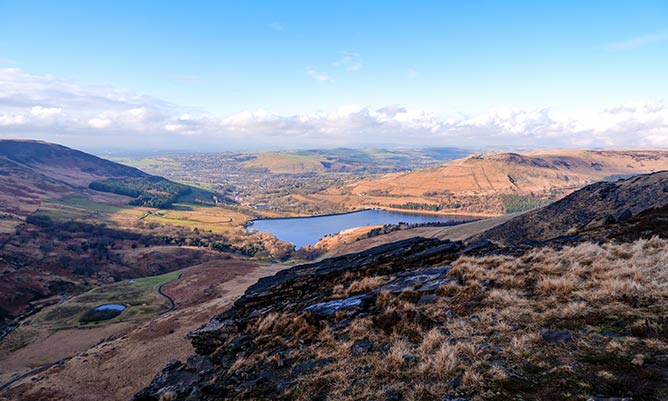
(478, 216)
(250, 223)
(311, 229)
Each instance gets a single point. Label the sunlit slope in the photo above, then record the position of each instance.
(498, 183)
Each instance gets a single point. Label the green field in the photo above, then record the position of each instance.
(77, 208)
(86, 204)
(140, 297)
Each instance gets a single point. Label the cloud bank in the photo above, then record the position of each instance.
(49, 108)
(640, 41)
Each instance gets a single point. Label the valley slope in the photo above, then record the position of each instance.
(56, 233)
(78, 231)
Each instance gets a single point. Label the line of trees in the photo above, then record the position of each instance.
(416, 206)
(155, 192)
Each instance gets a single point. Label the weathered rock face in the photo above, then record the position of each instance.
(422, 280)
(417, 264)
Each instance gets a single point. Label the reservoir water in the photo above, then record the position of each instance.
(303, 231)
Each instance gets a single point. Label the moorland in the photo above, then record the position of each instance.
(561, 265)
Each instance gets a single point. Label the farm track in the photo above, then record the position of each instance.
(34, 371)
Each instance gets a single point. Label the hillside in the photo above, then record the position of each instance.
(596, 205)
(497, 183)
(286, 164)
(582, 318)
(58, 236)
(34, 171)
(60, 162)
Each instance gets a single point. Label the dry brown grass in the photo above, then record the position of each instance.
(366, 284)
(473, 184)
(296, 326)
(484, 332)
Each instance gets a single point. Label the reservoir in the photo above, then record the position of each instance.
(303, 231)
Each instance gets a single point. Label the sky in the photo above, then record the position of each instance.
(228, 75)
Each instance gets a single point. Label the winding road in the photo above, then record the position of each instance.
(170, 299)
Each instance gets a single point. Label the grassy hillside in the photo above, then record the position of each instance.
(33, 171)
(498, 183)
(286, 163)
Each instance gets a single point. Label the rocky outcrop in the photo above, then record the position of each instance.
(418, 265)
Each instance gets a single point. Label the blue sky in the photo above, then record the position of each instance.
(264, 68)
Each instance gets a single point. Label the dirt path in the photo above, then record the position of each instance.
(482, 169)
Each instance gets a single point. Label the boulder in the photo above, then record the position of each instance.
(331, 307)
(422, 280)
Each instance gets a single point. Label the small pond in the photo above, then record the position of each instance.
(117, 307)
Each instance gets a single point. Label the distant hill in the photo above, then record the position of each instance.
(285, 163)
(344, 160)
(500, 183)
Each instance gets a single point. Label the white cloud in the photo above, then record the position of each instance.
(43, 112)
(276, 26)
(100, 123)
(138, 119)
(45, 107)
(349, 61)
(318, 76)
(22, 89)
(411, 73)
(644, 125)
(12, 120)
(639, 41)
